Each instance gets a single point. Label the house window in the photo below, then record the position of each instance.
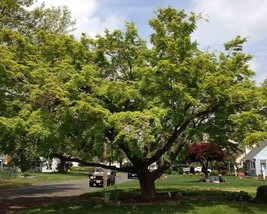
(253, 164)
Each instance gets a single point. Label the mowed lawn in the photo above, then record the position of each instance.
(199, 198)
(38, 178)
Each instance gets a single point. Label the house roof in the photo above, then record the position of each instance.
(255, 151)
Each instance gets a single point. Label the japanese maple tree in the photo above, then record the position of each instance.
(205, 153)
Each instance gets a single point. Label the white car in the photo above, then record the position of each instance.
(198, 169)
(186, 169)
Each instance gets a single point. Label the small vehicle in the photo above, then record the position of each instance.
(96, 177)
(186, 169)
(198, 169)
(132, 175)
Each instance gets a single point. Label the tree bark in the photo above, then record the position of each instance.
(61, 166)
(147, 184)
(205, 165)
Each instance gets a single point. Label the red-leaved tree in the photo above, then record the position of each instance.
(204, 153)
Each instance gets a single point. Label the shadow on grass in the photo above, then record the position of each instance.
(127, 202)
(25, 203)
(191, 203)
(125, 198)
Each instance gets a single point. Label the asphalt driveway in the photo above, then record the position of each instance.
(65, 188)
(15, 199)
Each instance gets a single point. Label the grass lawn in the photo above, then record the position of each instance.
(38, 178)
(197, 198)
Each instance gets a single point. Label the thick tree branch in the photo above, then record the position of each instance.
(178, 130)
(167, 146)
(85, 163)
(158, 172)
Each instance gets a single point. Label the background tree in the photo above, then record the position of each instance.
(205, 153)
(13, 13)
(155, 101)
(17, 15)
(21, 66)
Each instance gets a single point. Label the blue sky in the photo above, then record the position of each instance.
(227, 19)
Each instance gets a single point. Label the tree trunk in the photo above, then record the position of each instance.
(147, 184)
(205, 171)
(61, 166)
(205, 165)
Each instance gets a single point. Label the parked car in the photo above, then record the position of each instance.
(186, 169)
(199, 169)
(132, 175)
(96, 177)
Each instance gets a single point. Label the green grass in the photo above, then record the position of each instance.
(200, 206)
(198, 198)
(38, 178)
(191, 185)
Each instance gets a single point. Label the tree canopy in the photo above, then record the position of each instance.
(76, 98)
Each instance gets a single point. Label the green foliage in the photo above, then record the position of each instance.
(168, 171)
(241, 196)
(17, 15)
(113, 93)
(26, 174)
(214, 173)
(180, 171)
(261, 196)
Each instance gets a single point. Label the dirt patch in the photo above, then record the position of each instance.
(24, 203)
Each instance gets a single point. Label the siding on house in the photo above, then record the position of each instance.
(257, 155)
(261, 160)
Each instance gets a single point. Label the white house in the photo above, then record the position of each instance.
(50, 166)
(256, 160)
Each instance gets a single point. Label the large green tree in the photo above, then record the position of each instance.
(113, 96)
(150, 102)
(21, 32)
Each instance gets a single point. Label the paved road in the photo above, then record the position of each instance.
(62, 189)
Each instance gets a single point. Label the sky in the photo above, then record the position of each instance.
(226, 20)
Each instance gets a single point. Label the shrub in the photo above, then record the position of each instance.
(241, 196)
(261, 196)
(221, 179)
(260, 177)
(202, 179)
(26, 174)
(168, 171)
(224, 172)
(180, 171)
(214, 173)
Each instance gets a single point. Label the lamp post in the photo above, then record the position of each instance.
(229, 166)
